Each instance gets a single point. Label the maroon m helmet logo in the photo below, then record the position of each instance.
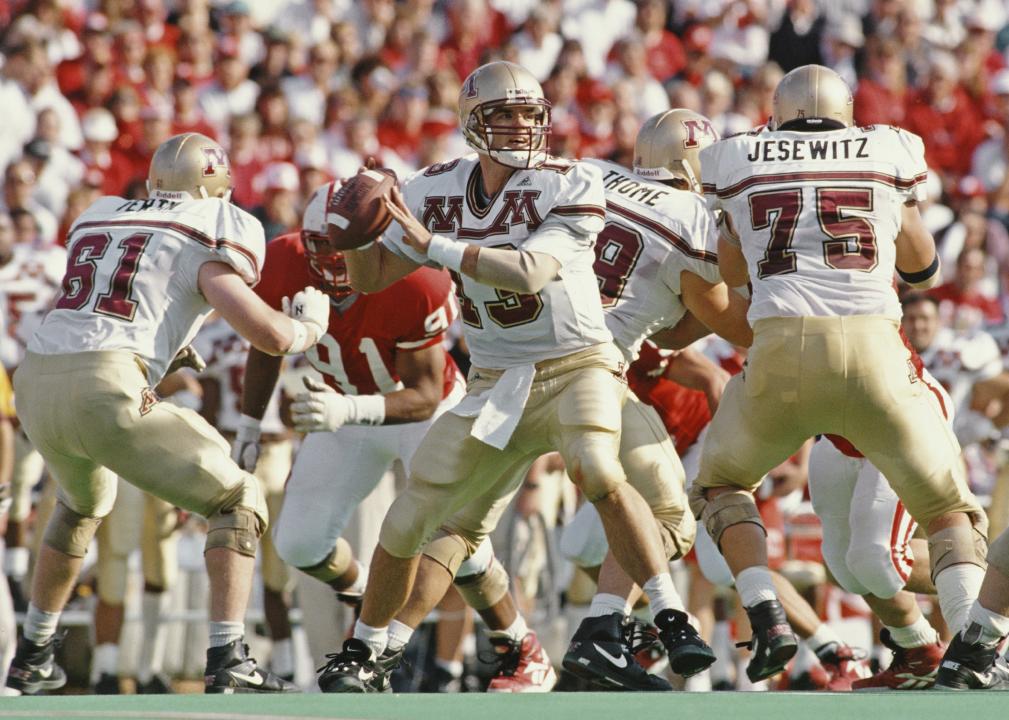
(697, 129)
(215, 158)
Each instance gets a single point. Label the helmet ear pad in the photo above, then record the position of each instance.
(190, 165)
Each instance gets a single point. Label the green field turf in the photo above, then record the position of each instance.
(555, 706)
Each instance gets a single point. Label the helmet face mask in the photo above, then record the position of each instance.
(811, 98)
(189, 166)
(669, 145)
(487, 92)
(327, 265)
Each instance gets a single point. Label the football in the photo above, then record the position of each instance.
(356, 214)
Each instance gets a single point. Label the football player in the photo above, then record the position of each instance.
(818, 215)
(516, 228)
(386, 377)
(142, 275)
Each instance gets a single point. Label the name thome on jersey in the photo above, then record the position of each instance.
(507, 329)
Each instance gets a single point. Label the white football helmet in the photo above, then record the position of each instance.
(495, 85)
(189, 166)
(327, 265)
(669, 146)
(812, 97)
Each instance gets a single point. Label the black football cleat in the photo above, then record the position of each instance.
(688, 653)
(970, 664)
(773, 643)
(599, 653)
(34, 669)
(355, 669)
(230, 670)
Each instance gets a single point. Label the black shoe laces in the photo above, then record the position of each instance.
(344, 660)
(639, 636)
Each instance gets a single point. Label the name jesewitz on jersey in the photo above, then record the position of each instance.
(652, 233)
(505, 329)
(817, 214)
(132, 276)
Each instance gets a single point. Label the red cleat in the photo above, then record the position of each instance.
(523, 667)
(911, 668)
(844, 667)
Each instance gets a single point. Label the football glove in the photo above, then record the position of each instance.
(245, 448)
(187, 357)
(311, 307)
(321, 409)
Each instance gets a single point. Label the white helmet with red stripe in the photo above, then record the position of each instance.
(327, 264)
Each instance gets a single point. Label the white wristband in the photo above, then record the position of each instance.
(248, 428)
(366, 409)
(305, 336)
(446, 252)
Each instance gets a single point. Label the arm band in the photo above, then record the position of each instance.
(366, 409)
(920, 278)
(446, 252)
(302, 338)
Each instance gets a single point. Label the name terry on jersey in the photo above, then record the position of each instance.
(803, 149)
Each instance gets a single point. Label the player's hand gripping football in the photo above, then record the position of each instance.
(311, 307)
(416, 235)
(321, 409)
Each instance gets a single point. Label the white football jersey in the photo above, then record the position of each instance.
(225, 352)
(959, 361)
(29, 282)
(132, 276)
(505, 329)
(817, 214)
(653, 233)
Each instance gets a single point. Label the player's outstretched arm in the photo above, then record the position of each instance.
(261, 373)
(693, 370)
(268, 330)
(731, 261)
(683, 334)
(917, 260)
(423, 375)
(374, 267)
(718, 307)
(515, 270)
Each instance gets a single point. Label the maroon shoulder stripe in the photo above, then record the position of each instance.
(662, 231)
(831, 175)
(182, 229)
(578, 210)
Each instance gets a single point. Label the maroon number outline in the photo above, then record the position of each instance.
(79, 280)
(785, 205)
(830, 204)
(613, 276)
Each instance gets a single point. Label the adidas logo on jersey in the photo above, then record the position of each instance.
(526, 181)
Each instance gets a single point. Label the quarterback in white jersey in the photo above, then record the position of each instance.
(141, 277)
(818, 215)
(517, 228)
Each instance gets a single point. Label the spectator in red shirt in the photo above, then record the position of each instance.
(247, 162)
(402, 127)
(152, 15)
(946, 118)
(964, 290)
(131, 49)
(97, 40)
(880, 95)
(274, 110)
(188, 116)
(98, 155)
(664, 50)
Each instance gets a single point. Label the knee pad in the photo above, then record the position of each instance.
(449, 550)
(478, 562)
(872, 565)
(70, 532)
(596, 470)
(954, 545)
(724, 511)
(998, 554)
(583, 540)
(333, 565)
(484, 589)
(237, 529)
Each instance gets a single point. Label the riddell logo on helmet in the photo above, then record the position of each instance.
(697, 128)
(215, 157)
(471, 89)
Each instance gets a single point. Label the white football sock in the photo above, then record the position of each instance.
(606, 604)
(223, 632)
(823, 636)
(375, 638)
(662, 594)
(755, 585)
(39, 624)
(399, 635)
(104, 661)
(917, 634)
(516, 631)
(958, 587)
(994, 627)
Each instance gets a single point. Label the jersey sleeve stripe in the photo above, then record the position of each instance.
(663, 232)
(184, 230)
(578, 210)
(812, 176)
(418, 344)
